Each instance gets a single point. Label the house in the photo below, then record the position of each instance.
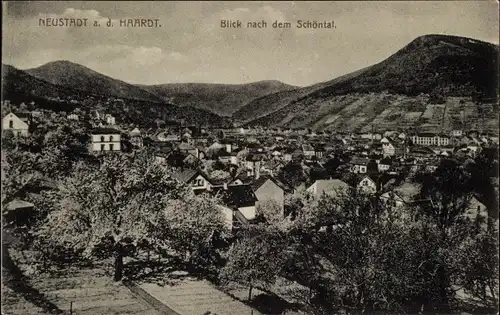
(268, 188)
(105, 139)
(308, 151)
(358, 165)
(391, 147)
(367, 185)
(384, 164)
(18, 124)
(72, 117)
(215, 147)
(331, 187)
(224, 157)
(110, 120)
(319, 151)
(272, 167)
(240, 198)
(429, 139)
(388, 147)
(195, 179)
(188, 149)
(456, 133)
(136, 138)
(423, 152)
(253, 164)
(170, 138)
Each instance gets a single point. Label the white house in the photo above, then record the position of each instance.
(430, 139)
(241, 199)
(72, 117)
(17, 124)
(332, 187)
(267, 188)
(105, 139)
(110, 120)
(367, 185)
(359, 165)
(136, 138)
(384, 164)
(194, 179)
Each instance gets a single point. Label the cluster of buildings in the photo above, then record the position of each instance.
(243, 166)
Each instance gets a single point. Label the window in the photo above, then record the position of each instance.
(11, 124)
(19, 133)
(111, 147)
(103, 146)
(102, 138)
(110, 138)
(198, 182)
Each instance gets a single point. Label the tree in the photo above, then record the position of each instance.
(194, 223)
(115, 206)
(271, 212)
(478, 264)
(449, 191)
(255, 260)
(292, 174)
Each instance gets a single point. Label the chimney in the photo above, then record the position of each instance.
(225, 186)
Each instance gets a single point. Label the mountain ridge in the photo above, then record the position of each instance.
(437, 65)
(221, 99)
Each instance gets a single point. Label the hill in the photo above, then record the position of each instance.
(223, 99)
(19, 86)
(79, 77)
(406, 87)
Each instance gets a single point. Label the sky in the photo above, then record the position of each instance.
(191, 46)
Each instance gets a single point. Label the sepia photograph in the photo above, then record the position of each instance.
(250, 157)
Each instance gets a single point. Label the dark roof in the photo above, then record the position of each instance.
(422, 150)
(237, 195)
(254, 157)
(386, 161)
(22, 115)
(426, 134)
(102, 131)
(187, 175)
(359, 161)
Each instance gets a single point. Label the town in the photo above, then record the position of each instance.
(255, 174)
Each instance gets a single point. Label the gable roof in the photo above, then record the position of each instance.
(187, 175)
(263, 179)
(135, 132)
(329, 185)
(368, 177)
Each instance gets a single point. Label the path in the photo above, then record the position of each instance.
(196, 297)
